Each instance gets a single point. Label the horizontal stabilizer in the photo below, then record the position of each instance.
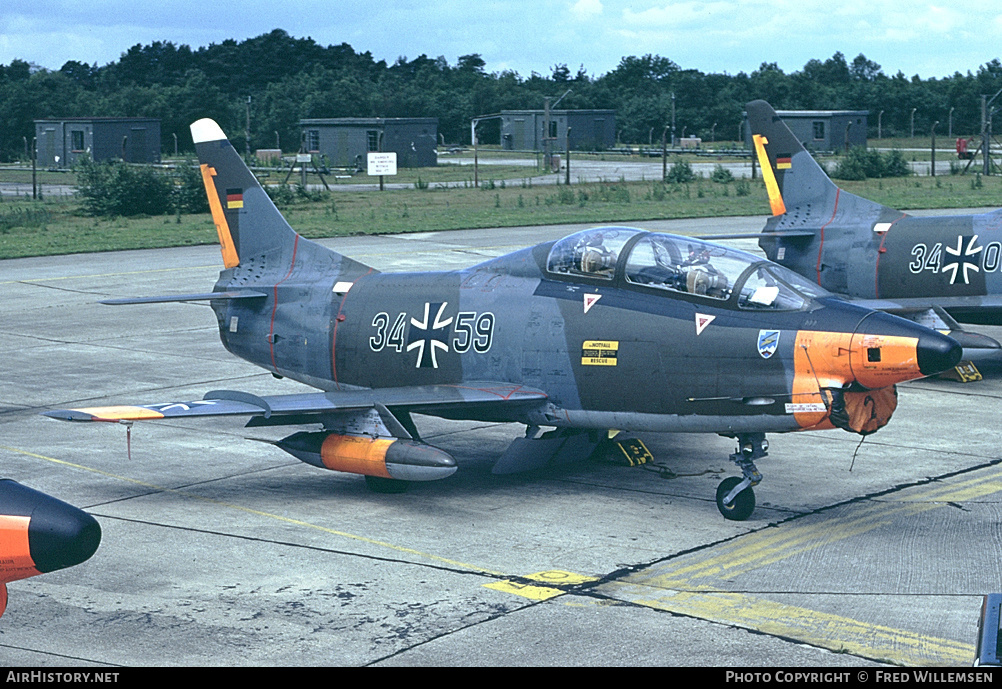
(975, 341)
(938, 317)
(985, 308)
(208, 296)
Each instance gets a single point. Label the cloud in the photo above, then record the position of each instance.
(586, 9)
(683, 14)
(929, 37)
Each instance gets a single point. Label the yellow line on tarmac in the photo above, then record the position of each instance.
(259, 513)
(834, 632)
(690, 585)
(760, 549)
(534, 592)
(967, 489)
(773, 545)
(661, 587)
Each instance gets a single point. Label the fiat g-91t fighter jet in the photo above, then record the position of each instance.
(609, 328)
(938, 271)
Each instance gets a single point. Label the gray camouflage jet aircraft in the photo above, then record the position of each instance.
(937, 271)
(609, 328)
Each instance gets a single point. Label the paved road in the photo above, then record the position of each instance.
(221, 550)
(583, 169)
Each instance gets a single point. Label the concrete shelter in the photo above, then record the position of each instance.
(345, 141)
(62, 142)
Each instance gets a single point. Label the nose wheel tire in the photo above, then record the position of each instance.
(741, 506)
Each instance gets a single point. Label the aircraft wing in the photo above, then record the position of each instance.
(310, 407)
(944, 316)
(988, 304)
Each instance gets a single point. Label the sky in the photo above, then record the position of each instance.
(931, 40)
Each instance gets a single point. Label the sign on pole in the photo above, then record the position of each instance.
(381, 164)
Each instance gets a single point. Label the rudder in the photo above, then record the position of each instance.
(793, 178)
(247, 222)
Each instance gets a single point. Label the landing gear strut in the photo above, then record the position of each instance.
(735, 498)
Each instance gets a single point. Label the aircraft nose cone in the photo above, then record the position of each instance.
(937, 353)
(59, 534)
(61, 538)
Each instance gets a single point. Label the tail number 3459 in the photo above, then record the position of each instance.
(470, 330)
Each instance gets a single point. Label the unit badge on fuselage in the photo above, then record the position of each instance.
(768, 340)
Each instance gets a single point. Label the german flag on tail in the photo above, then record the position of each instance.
(234, 198)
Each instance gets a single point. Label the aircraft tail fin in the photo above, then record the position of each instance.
(247, 222)
(793, 178)
(803, 198)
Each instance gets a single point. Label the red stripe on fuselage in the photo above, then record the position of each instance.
(337, 319)
(820, 248)
(880, 250)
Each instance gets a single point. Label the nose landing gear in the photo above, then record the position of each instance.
(735, 498)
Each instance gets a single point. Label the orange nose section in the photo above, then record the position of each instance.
(39, 534)
(886, 350)
(878, 361)
(15, 551)
(883, 350)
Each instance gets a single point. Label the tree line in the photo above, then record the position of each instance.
(280, 79)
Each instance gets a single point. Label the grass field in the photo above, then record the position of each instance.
(56, 225)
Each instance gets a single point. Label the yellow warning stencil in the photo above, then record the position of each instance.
(599, 352)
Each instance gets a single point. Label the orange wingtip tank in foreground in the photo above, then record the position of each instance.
(40, 534)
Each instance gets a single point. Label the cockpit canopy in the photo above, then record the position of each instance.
(680, 264)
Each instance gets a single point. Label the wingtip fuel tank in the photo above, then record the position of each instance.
(40, 534)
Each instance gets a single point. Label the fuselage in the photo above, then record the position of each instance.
(867, 251)
(608, 328)
(904, 258)
(620, 328)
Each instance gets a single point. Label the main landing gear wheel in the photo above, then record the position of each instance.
(378, 484)
(735, 498)
(741, 506)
